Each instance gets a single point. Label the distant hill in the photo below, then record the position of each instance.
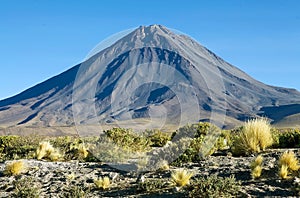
(199, 77)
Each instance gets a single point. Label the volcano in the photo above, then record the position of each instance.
(150, 77)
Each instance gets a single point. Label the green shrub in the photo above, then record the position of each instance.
(286, 138)
(214, 186)
(151, 185)
(207, 139)
(157, 138)
(15, 147)
(128, 140)
(25, 188)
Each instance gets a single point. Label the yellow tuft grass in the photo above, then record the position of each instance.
(181, 177)
(83, 151)
(256, 172)
(15, 168)
(283, 172)
(257, 162)
(255, 137)
(163, 165)
(46, 150)
(256, 167)
(289, 159)
(102, 183)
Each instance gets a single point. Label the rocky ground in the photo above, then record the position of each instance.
(68, 179)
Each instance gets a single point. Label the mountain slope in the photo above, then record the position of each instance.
(128, 83)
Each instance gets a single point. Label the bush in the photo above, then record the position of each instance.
(157, 138)
(214, 186)
(25, 188)
(286, 138)
(128, 140)
(46, 150)
(207, 139)
(15, 147)
(152, 185)
(255, 137)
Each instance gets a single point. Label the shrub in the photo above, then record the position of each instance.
(44, 150)
(289, 159)
(128, 140)
(15, 168)
(75, 192)
(79, 150)
(181, 177)
(25, 188)
(206, 139)
(286, 138)
(150, 185)
(255, 137)
(102, 183)
(15, 147)
(256, 167)
(157, 138)
(214, 186)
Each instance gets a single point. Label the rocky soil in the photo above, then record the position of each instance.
(63, 179)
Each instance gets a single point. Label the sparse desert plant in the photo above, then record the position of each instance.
(70, 176)
(151, 185)
(256, 172)
(46, 150)
(289, 159)
(75, 192)
(181, 177)
(80, 150)
(14, 147)
(25, 188)
(163, 165)
(256, 167)
(15, 167)
(214, 187)
(283, 172)
(102, 183)
(255, 137)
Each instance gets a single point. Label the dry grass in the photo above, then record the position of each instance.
(257, 162)
(102, 183)
(15, 168)
(256, 167)
(283, 172)
(181, 177)
(255, 137)
(256, 172)
(289, 159)
(46, 150)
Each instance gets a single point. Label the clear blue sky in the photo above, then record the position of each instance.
(40, 39)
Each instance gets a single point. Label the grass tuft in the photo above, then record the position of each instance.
(181, 177)
(15, 168)
(255, 137)
(102, 183)
(289, 159)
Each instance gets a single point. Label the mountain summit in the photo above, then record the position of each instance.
(151, 75)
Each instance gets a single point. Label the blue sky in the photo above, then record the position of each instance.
(40, 39)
